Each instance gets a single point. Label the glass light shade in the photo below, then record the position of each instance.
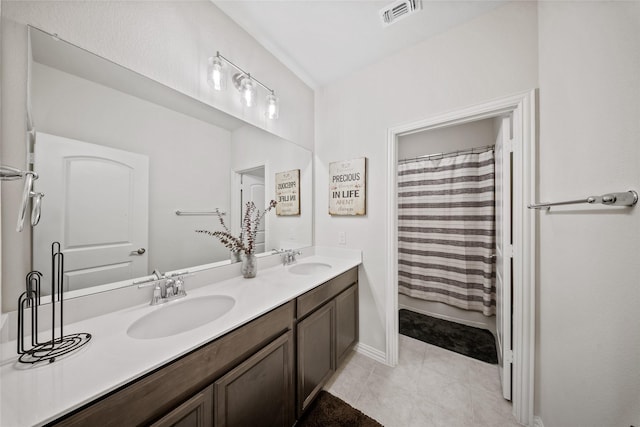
(216, 74)
(273, 107)
(247, 91)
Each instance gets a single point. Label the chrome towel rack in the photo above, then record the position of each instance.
(187, 213)
(625, 198)
(8, 173)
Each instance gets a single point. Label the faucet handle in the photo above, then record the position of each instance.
(180, 292)
(157, 295)
(169, 288)
(145, 283)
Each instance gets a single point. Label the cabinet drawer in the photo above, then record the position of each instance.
(313, 299)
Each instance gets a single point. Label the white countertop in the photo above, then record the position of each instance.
(36, 395)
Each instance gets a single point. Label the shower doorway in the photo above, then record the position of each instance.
(454, 216)
(518, 127)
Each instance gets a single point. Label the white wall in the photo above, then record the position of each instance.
(16, 263)
(491, 56)
(588, 359)
(445, 140)
(2, 317)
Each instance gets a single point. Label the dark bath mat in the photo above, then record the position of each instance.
(329, 411)
(473, 342)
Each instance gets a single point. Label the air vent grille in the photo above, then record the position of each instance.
(398, 10)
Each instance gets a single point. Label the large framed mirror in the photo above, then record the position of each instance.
(131, 168)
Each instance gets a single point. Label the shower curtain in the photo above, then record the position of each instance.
(446, 230)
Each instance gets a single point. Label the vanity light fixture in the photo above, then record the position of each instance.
(244, 82)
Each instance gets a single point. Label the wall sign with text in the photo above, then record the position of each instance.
(347, 187)
(288, 193)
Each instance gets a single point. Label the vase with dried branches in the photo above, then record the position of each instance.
(245, 244)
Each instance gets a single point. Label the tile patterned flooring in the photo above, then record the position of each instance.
(430, 387)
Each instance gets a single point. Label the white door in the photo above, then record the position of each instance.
(252, 189)
(96, 205)
(504, 253)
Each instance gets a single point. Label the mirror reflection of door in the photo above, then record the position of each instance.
(252, 190)
(96, 205)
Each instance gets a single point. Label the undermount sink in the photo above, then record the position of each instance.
(180, 316)
(309, 268)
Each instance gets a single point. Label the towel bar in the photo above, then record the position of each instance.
(186, 213)
(626, 198)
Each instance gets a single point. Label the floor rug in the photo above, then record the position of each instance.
(473, 342)
(329, 411)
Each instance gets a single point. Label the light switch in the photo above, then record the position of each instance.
(342, 238)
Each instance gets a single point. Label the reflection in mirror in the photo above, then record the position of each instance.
(118, 154)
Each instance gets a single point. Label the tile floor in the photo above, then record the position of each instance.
(430, 387)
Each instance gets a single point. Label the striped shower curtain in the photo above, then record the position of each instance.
(446, 230)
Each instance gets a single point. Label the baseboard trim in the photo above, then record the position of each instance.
(537, 422)
(371, 352)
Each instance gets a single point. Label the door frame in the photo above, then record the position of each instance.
(523, 107)
(235, 203)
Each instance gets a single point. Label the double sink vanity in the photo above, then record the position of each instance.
(233, 352)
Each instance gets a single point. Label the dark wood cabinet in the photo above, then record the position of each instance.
(316, 353)
(259, 392)
(346, 323)
(195, 412)
(327, 329)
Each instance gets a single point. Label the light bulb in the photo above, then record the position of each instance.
(217, 79)
(247, 91)
(216, 75)
(272, 106)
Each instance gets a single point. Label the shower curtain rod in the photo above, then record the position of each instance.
(476, 150)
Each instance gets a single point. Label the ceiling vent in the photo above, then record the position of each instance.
(395, 11)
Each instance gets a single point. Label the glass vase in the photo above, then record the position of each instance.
(249, 267)
(234, 256)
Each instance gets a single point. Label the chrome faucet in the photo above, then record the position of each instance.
(169, 289)
(288, 256)
(165, 288)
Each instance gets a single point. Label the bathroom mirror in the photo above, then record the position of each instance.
(131, 168)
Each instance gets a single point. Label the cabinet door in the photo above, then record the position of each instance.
(195, 412)
(316, 353)
(259, 392)
(346, 322)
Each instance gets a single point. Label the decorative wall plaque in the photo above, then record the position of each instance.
(347, 187)
(288, 193)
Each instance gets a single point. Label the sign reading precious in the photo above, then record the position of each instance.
(288, 193)
(347, 187)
